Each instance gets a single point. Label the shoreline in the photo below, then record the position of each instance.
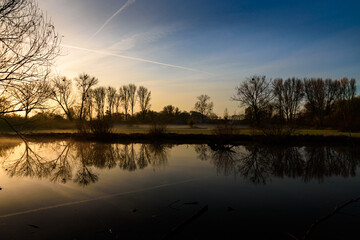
(174, 138)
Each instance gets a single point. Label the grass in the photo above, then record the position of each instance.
(325, 132)
(184, 129)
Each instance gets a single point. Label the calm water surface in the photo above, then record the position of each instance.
(82, 190)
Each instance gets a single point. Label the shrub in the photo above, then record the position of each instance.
(158, 128)
(97, 127)
(191, 122)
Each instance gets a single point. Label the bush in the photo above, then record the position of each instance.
(225, 128)
(191, 122)
(158, 128)
(97, 127)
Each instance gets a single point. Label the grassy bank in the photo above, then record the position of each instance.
(177, 129)
(174, 138)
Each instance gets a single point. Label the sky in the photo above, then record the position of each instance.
(180, 49)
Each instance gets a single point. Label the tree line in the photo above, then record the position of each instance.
(80, 99)
(98, 102)
(313, 102)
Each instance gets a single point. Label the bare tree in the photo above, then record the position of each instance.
(61, 92)
(132, 97)
(278, 92)
(320, 96)
(346, 95)
(84, 82)
(204, 106)
(332, 91)
(28, 43)
(293, 94)
(4, 105)
(125, 99)
(288, 95)
(30, 96)
(117, 102)
(315, 96)
(144, 99)
(347, 89)
(89, 104)
(111, 99)
(254, 93)
(99, 96)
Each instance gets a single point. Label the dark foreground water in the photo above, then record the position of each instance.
(75, 190)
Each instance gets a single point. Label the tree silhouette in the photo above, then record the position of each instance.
(288, 95)
(144, 100)
(132, 97)
(84, 82)
(99, 96)
(28, 43)
(255, 94)
(125, 98)
(61, 93)
(111, 99)
(204, 106)
(29, 96)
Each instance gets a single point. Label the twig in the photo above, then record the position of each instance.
(12, 128)
(171, 205)
(180, 226)
(322, 219)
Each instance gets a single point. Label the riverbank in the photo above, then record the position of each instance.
(174, 138)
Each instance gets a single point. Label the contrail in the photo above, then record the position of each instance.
(128, 3)
(134, 58)
(99, 198)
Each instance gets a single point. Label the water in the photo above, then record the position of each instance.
(83, 190)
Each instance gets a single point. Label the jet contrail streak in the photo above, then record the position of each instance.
(134, 58)
(98, 198)
(128, 3)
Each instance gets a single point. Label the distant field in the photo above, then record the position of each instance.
(198, 129)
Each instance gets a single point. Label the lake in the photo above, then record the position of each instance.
(88, 190)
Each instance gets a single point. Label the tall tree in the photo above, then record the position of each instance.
(144, 100)
(255, 94)
(347, 89)
(30, 96)
(293, 94)
(170, 112)
(99, 97)
(111, 99)
(278, 92)
(347, 95)
(84, 82)
(288, 95)
(315, 96)
(61, 93)
(28, 43)
(117, 102)
(204, 106)
(132, 97)
(89, 104)
(125, 99)
(332, 91)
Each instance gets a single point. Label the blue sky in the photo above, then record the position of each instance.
(180, 49)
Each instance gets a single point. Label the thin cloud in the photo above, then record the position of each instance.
(143, 38)
(135, 58)
(128, 3)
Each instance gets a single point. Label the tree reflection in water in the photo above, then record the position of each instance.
(29, 164)
(61, 168)
(259, 163)
(78, 161)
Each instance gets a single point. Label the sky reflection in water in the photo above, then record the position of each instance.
(279, 190)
